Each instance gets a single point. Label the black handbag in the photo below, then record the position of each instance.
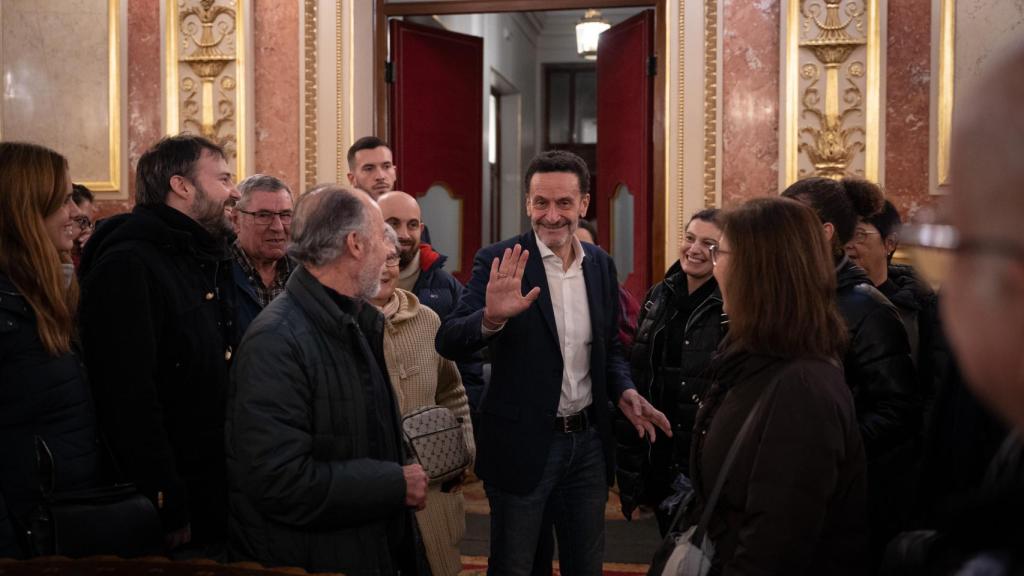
(107, 520)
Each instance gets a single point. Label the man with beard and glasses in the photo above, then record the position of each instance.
(263, 219)
(157, 323)
(316, 464)
(421, 272)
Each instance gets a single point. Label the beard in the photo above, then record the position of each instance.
(211, 215)
(407, 254)
(369, 281)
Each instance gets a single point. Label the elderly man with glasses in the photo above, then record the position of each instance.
(262, 219)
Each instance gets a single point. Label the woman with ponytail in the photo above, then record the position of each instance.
(43, 390)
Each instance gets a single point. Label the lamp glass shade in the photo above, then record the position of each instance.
(587, 32)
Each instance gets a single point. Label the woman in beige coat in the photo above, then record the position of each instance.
(421, 378)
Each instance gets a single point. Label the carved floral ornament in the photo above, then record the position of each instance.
(207, 44)
(832, 121)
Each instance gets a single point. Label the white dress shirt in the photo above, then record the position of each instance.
(572, 319)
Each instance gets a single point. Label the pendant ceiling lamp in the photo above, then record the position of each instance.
(587, 31)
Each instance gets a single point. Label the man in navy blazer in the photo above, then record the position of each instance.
(546, 307)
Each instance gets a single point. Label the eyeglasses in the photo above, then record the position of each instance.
(393, 259)
(83, 222)
(861, 236)
(266, 217)
(716, 252)
(932, 246)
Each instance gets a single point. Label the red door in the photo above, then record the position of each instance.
(436, 122)
(625, 104)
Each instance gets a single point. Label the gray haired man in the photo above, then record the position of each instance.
(262, 219)
(315, 459)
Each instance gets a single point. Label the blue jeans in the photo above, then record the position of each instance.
(573, 492)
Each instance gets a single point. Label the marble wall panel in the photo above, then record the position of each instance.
(276, 46)
(908, 78)
(143, 79)
(56, 83)
(983, 29)
(750, 100)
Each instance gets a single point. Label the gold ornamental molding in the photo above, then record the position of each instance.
(113, 182)
(681, 123)
(710, 103)
(832, 84)
(206, 73)
(947, 39)
(310, 37)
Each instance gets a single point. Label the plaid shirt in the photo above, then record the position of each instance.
(264, 294)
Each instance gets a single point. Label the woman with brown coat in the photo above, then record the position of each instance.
(421, 377)
(793, 501)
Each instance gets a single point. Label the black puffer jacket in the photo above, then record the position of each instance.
(157, 314)
(880, 373)
(645, 475)
(877, 365)
(918, 307)
(313, 445)
(44, 396)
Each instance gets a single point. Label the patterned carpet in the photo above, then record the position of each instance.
(476, 565)
(476, 501)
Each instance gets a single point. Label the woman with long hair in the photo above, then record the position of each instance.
(43, 391)
(793, 499)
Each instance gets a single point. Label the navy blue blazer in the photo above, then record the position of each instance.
(517, 413)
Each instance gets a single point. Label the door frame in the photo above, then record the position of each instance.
(382, 11)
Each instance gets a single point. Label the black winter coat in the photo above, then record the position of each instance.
(880, 372)
(793, 501)
(918, 306)
(40, 395)
(157, 319)
(645, 475)
(313, 444)
(877, 365)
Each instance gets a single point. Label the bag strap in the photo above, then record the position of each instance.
(730, 457)
(45, 468)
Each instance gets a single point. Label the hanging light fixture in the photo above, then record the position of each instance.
(587, 31)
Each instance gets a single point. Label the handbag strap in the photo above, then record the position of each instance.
(730, 458)
(45, 468)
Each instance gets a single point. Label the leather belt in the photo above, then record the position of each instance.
(577, 422)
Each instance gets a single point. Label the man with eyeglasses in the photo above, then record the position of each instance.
(263, 219)
(977, 257)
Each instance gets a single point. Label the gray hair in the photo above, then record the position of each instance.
(259, 183)
(324, 218)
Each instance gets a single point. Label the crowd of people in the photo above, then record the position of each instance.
(244, 356)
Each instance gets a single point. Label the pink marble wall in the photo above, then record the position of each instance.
(143, 96)
(750, 99)
(276, 44)
(907, 105)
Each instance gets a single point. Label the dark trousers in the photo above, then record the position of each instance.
(571, 494)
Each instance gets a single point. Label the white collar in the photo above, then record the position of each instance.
(546, 252)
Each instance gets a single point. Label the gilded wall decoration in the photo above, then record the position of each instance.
(206, 73)
(309, 94)
(832, 89)
(39, 60)
(711, 133)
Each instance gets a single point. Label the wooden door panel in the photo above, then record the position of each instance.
(436, 122)
(625, 104)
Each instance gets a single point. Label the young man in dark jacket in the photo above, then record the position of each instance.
(315, 457)
(678, 333)
(157, 326)
(878, 366)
